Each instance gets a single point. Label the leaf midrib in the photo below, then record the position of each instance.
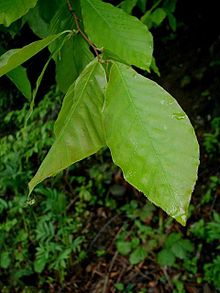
(74, 106)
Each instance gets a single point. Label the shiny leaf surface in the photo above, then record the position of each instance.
(151, 139)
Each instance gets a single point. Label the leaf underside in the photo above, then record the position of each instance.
(151, 139)
(19, 77)
(79, 127)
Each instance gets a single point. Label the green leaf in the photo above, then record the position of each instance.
(61, 20)
(154, 67)
(41, 259)
(142, 5)
(112, 29)
(19, 77)
(39, 265)
(170, 5)
(15, 57)
(151, 139)
(154, 18)
(4, 260)
(73, 58)
(123, 247)
(138, 255)
(166, 258)
(49, 8)
(212, 272)
(119, 286)
(171, 239)
(79, 128)
(11, 10)
(181, 248)
(38, 25)
(39, 18)
(61, 259)
(172, 21)
(128, 5)
(158, 16)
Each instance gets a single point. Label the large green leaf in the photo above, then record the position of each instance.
(79, 127)
(73, 57)
(151, 139)
(11, 10)
(112, 29)
(15, 57)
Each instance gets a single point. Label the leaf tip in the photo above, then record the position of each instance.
(30, 188)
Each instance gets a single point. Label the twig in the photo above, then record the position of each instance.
(72, 202)
(121, 273)
(101, 230)
(79, 28)
(104, 290)
(167, 277)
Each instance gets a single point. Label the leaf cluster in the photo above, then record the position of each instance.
(107, 103)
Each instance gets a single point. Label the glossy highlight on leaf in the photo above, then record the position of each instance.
(151, 139)
(79, 127)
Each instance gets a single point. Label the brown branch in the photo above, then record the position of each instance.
(75, 17)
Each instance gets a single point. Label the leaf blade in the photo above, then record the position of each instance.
(11, 10)
(124, 35)
(74, 56)
(19, 77)
(155, 145)
(15, 57)
(79, 129)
